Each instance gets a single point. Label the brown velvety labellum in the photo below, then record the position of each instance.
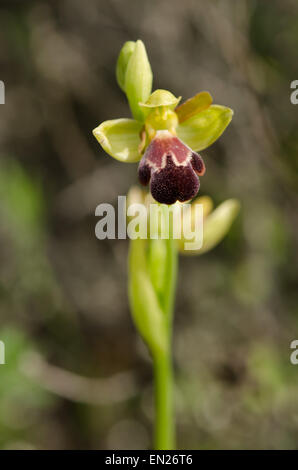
(172, 169)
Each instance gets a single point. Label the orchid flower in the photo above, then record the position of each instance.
(164, 135)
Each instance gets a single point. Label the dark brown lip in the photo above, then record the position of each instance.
(172, 169)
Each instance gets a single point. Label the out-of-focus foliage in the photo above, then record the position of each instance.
(22, 401)
(63, 297)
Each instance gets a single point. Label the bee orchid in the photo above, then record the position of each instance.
(164, 136)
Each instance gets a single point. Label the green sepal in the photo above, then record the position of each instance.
(120, 138)
(204, 128)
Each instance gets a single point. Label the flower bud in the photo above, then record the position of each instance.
(219, 222)
(138, 78)
(122, 62)
(207, 204)
(136, 195)
(215, 226)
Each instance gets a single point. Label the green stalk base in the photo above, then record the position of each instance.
(164, 419)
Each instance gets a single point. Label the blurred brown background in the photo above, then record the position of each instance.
(77, 376)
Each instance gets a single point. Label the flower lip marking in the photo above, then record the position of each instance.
(172, 169)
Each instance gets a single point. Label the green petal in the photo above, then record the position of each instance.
(120, 138)
(161, 98)
(204, 128)
(193, 106)
(138, 79)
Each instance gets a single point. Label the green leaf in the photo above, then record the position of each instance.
(138, 80)
(163, 259)
(122, 62)
(157, 264)
(204, 128)
(120, 138)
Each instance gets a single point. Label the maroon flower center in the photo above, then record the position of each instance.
(172, 169)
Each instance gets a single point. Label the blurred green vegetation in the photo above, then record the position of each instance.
(76, 376)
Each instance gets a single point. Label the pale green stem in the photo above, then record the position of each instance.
(164, 418)
(171, 278)
(163, 369)
(152, 308)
